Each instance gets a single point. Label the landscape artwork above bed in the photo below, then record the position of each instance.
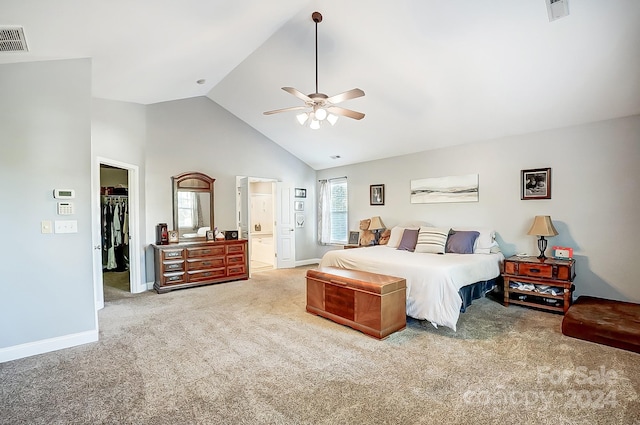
(445, 189)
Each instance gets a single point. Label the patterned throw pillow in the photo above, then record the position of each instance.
(432, 240)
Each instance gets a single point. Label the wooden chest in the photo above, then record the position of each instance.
(371, 303)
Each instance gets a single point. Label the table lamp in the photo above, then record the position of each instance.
(542, 226)
(375, 226)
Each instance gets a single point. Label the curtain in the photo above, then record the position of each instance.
(324, 213)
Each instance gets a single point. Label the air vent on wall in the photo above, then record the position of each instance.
(12, 40)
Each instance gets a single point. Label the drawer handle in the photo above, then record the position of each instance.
(534, 270)
(206, 263)
(206, 251)
(174, 254)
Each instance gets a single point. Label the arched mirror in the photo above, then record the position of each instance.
(192, 205)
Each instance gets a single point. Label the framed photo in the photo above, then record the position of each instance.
(300, 219)
(211, 235)
(376, 194)
(300, 193)
(535, 183)
(354, 238)
(298, 205)
(173, 236)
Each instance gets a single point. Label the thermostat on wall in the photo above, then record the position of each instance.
(64, 193)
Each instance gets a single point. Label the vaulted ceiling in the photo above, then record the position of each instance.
(435, 73)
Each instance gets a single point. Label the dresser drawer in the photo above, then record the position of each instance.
(237, 269)
(172, 254)
(536, 270)
(235, 248)
(206, 251)
(233, 260)
(173, 266)
(205, 263)
(173, 278)
(202, 275)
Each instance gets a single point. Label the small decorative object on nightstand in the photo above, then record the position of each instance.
(547, 286)
(542, 226)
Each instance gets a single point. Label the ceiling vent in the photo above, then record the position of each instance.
(12, 40)
(557, 9)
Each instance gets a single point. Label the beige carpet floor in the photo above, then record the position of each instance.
(246, 352)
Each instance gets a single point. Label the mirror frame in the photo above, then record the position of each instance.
(192, 182)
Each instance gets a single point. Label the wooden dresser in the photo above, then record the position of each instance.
(371, 303)
(184, 265)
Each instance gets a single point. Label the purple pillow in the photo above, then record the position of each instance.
(409, 239)
(461, 242)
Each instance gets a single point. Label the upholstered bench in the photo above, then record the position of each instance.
(608, 322)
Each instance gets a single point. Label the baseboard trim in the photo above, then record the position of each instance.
(307, 262)
(47, 345)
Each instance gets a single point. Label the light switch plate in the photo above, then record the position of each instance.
(66, 226)
(45, 227)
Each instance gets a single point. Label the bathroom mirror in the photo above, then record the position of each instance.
(192, 205)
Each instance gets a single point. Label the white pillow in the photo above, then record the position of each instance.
(395, 237)
(432, 240)
(414, 224)
(485, 241)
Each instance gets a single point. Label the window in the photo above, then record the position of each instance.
(334, 212)
(186, 209)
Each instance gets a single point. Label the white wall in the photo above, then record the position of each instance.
(119, 134)
(46, 289)
(595, 201)
(199, 135)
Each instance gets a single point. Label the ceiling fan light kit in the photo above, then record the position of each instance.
(322, 106)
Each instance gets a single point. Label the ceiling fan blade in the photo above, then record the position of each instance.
(293, 108)
(345, 112)
(351, 94)
(297, 93)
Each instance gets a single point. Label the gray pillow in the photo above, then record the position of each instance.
(461, 241)
(409, 239)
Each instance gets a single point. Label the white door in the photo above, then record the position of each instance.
(242, 208)
(285, 227)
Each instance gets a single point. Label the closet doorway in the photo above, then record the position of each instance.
(114, 219)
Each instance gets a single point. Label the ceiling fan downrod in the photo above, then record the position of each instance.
(317, 18)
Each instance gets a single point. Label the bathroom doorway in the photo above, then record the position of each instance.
(256, 220)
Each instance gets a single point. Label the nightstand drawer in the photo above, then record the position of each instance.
(536, 270)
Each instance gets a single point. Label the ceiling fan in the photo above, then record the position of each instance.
(322, 107)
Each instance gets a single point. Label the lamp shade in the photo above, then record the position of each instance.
(542, 226)
(376, 223)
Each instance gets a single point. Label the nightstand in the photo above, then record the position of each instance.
(547, 285)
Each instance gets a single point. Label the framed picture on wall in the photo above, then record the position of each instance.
(298, 205)
(535, 184)
(300, 219)
(376, 194)
(300, 193)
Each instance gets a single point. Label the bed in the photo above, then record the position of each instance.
(439, 286)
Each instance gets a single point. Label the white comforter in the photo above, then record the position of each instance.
(433, 280)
